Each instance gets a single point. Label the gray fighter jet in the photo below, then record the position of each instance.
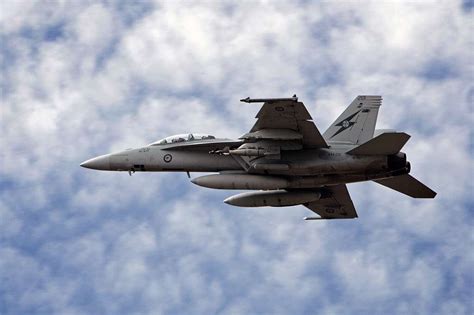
(285, 159)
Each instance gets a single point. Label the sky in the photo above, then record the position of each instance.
(84, 78)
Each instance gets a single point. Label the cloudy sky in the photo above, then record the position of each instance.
(84, 78)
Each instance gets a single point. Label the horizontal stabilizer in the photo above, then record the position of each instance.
(407, 185)
(383, 144)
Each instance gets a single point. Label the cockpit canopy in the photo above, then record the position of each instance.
(185, 137)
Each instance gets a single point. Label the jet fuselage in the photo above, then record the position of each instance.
(310, 168)
(285, 158)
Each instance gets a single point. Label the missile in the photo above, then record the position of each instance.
(273, 198)
(314, 218)
(241, 152)
(269, 100)
(224, 151)
(248, 152)
(324, 218)
(241, 181)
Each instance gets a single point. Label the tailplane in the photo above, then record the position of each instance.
(408, 185)
(356, 124)
(383, 144)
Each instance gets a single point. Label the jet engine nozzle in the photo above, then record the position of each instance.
(397, 161)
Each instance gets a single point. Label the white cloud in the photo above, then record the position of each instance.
(361, 274)
(91, 242)
(94, 27)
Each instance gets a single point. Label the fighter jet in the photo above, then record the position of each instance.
(284, 160)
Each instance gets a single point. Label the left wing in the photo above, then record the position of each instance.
(285, 119)
(337, 206)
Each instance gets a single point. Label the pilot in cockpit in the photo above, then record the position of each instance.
(183, 138)
(177, 139)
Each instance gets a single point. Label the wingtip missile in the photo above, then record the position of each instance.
(294, 98)
(313, 218)
(326, 218)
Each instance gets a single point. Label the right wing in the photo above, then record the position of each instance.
(337, 206)
(285, 119)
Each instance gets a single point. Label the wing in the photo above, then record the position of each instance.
(286, 119)
(338, 206)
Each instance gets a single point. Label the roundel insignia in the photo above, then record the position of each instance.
(167, 158)
(345, 124)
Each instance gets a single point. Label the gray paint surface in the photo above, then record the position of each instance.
(285, 158)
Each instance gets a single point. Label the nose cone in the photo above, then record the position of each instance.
(98, 163)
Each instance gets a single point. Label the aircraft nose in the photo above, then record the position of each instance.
(98, 163)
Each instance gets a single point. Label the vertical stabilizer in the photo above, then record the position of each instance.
(356, 124)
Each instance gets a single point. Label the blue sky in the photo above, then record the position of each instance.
(81, 79)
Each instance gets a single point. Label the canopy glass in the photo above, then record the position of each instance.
(183, 138)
